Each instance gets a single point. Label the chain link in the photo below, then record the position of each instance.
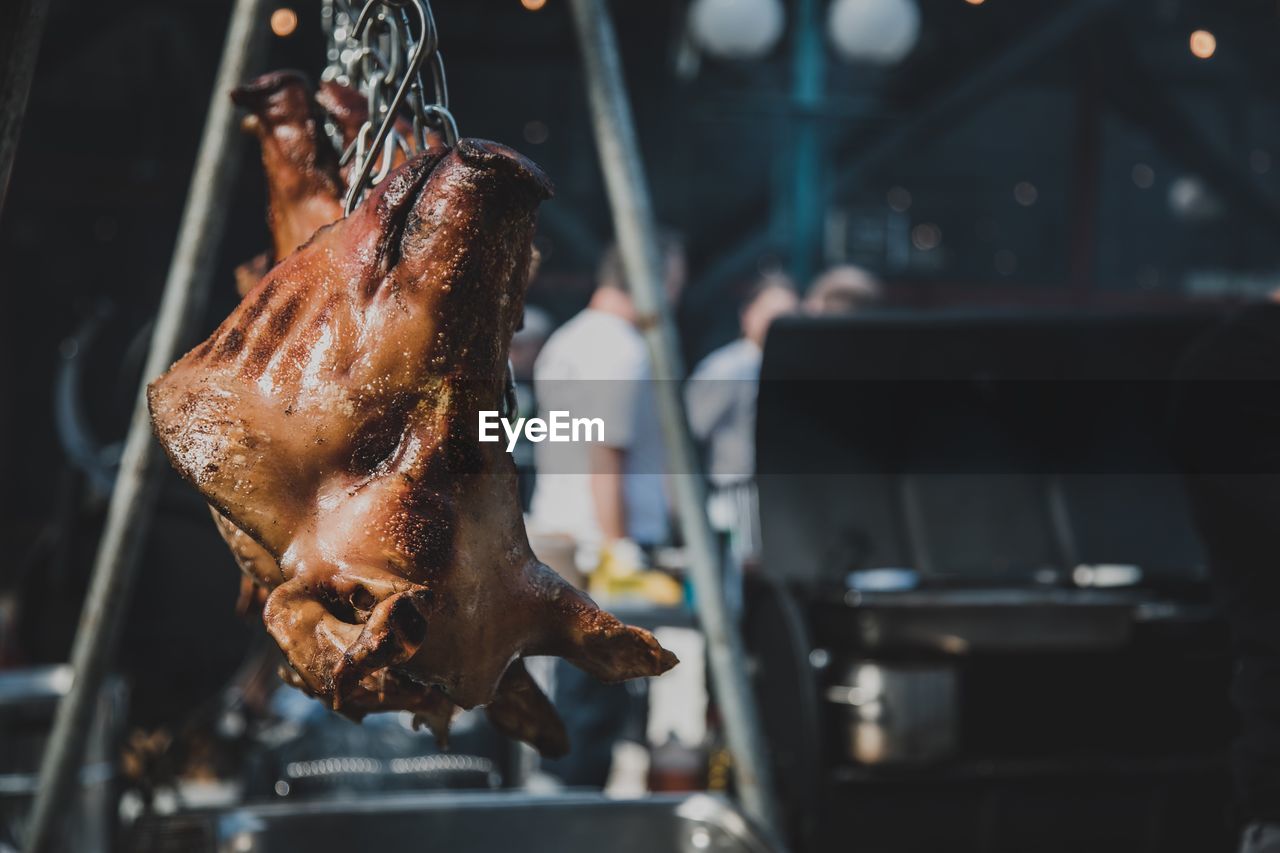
(377, 51)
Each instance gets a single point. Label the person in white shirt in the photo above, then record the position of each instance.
(720, 397)
(597, 365)
(609, 496)
(720, 401)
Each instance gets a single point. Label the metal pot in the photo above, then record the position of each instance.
(897, 713)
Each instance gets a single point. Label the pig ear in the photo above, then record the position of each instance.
(259, 95)
(521, 710)
(592, 639)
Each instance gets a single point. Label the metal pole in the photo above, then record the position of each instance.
(133, 498)
(20, 50)
(637, 239)
(801, 194)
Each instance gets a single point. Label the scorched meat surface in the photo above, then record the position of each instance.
(332, 419)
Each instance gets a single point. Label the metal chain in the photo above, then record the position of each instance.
(377, 52)
(366, 51)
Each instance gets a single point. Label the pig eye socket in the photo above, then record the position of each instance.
(377, 439)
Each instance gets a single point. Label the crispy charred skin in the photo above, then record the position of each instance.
(333, 418)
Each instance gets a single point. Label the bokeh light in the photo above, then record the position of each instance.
(926, 236)
(284, 21)
(737, 29)
(899, 199)
(1203, 44)
(877, 32)
(536, 132)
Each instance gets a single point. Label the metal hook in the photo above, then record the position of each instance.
(448, 125)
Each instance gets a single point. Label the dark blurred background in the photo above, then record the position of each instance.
(1046, 153)
(1060, 154)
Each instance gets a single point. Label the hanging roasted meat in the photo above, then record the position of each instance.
(301, 174)
(332, 418)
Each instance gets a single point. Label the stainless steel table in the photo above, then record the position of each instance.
(462, 822)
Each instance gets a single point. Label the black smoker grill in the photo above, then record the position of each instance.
(983, 620)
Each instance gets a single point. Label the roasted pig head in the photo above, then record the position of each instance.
(333, 418)
(303, 196)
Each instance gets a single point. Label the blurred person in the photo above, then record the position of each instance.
(721, 395)
(720, 399)
(1225, 418)
(843, 289)
(597, 364)
(609, 496)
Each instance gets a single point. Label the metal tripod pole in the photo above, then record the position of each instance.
(133, 498)
(637, 240)
(20, 49)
